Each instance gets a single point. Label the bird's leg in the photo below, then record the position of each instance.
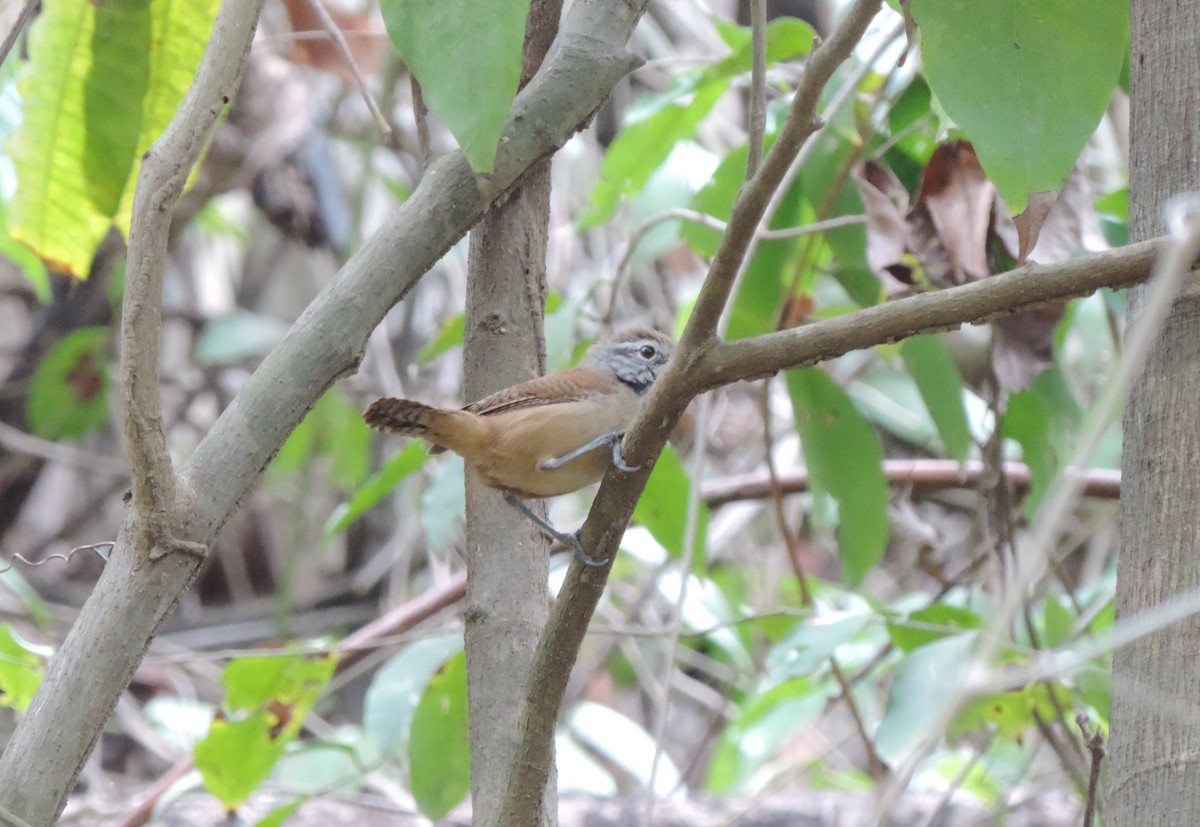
(571, 540)
(612, 438)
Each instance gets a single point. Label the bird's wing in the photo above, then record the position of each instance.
(570, 385)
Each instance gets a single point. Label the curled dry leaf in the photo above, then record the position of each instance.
(959, 231)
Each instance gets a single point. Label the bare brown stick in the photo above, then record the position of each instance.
(921, 475)
(1095, 745)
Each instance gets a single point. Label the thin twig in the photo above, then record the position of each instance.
(23, 18)
(19, 442)
(1095, 745)
(66, 558)
(758, 85)
(339, 39)
(164, 171)
(1177, 258)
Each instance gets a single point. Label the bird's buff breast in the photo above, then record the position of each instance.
(533, 435)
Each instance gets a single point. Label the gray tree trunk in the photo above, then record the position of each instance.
(1154, 771)
(506, 605)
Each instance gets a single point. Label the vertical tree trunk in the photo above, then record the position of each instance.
(1154, 772)
(508, 558)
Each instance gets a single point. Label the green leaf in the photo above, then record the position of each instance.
(467, 57)
(102, 81)
(926, 682)
(376, 488)
(333, 430)
(439, 760)
(180, 31)
(396, 688)
(266, 702)
(931, 623)
(68, 392)
(450, 335)
(806, 648)
(641, 148)
(21, 670)
(767, 720)
(280, 815)
(1026, 80)
(236, 756)
(933, 369)
(663, 508)
(291, 679)
(115, 85)
(844, 458)
(52, 210)
(756, 306)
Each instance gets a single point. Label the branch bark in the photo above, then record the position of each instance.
(1153, 776)
(132, 597)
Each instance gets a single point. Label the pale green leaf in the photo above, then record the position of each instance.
(845, 459)
(180, 30)
(932, 367)
(439, 759)
(466, 55)
(927, 681)
(1026, 80)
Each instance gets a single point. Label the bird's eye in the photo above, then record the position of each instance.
(647, 351)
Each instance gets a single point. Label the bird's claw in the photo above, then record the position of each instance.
(580, 554)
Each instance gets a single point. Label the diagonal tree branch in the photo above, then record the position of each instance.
(671, 393)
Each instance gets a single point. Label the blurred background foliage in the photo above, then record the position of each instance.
(809, 563)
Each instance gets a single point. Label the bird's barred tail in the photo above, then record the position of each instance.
(401, 416)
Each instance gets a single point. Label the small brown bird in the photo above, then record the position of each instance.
(548, 436)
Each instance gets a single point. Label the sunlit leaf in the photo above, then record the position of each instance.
(266, 702)
(371, 492)
(180, 30)
(624, 743)
(641, 148)
(21, 670)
